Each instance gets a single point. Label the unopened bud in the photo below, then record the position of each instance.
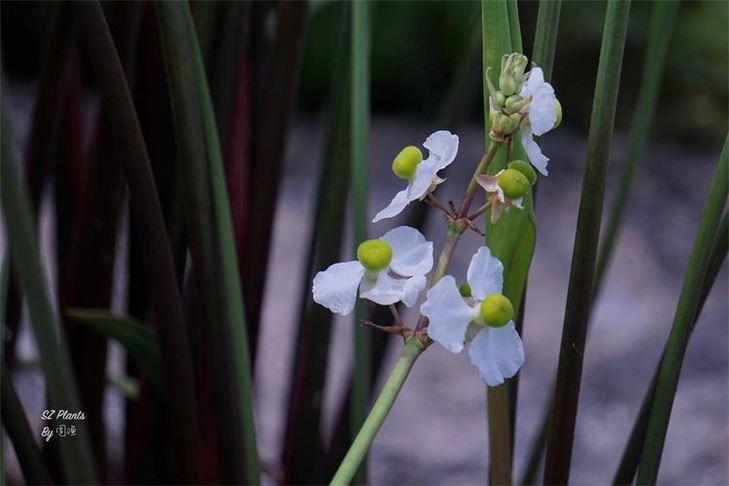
(515, 103)
(374, 255)
(513, 183)
(406, 162)
(498, 98)
(504, 125)
(496, 310)
(512, 73)
(526, 169)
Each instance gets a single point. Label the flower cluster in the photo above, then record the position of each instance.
(394, 268)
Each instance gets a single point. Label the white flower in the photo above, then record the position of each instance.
(541, 114)
(496, 349)
(442, 147)
(388, 270)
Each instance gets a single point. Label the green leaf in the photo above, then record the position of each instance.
(360, 102)
(140, 342)
(15, 422)
(178, 29)
(663, 20)
(579, 296)
(77, 462)
(154, 242)
(686, 311)
(305, 412)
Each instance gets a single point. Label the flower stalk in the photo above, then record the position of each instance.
(412, 350)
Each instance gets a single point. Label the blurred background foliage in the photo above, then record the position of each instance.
(409, 75)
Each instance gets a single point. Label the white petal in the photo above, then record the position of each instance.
(424, 176)
(536, 157)
(412, 254)
(336, 287)
(485, 274)
(385, 290)
(395, 207)
(444, 145)
(412, 288)
(489, 183)
(497, 352)
(442, 149)
(448, 314)
(542, 114)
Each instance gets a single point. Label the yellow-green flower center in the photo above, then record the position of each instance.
(513, 183)
(496, 310)
(526, 169)
(406, 162)
(374, 255)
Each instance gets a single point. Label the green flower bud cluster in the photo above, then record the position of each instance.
(495, 310)
(505, 103)
(465, 290)
(512, 73)
(375, 255)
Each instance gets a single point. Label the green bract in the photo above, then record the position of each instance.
(525, 168)
(496, 310)
(513, 183)
(406, 162)
(374, 255)
(465, 290)
(558, 111)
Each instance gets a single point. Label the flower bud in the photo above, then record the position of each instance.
(496, 310)
(558, 111)
(406, 162)
(515, 103)
(512, 73)
(526, 169)
(513, 183)
(498, 98)
(465, 290)
(504, 125)
(374, 255)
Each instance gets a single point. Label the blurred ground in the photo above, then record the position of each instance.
(444, 395)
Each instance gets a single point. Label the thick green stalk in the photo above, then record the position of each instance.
(78, 462)
(579, 296)
(631, 454)
(360, 159)
(682, 323)
(663, 20)
(413, 348)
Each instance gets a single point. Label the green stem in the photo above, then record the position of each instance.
(412, 350)
(493, 148)
(454, 234)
